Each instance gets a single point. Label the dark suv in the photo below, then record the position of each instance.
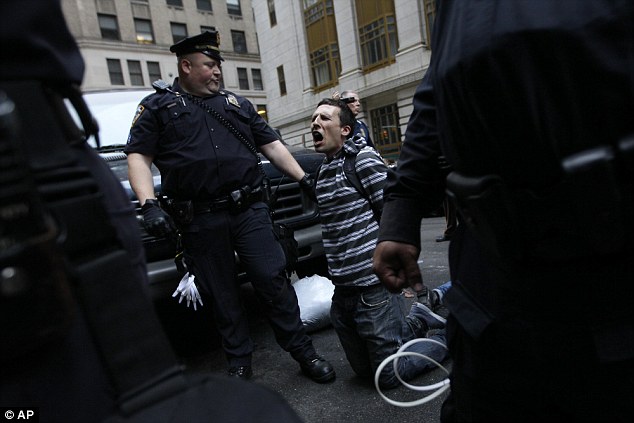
(114, 111)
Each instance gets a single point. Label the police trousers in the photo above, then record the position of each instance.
(209, 242)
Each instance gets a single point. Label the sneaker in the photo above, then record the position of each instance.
(434, 298)
(423, 295)
(428, 317)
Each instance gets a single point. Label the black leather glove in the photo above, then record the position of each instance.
(156, 221)
(308, 186)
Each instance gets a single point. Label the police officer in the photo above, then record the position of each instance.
(531, 104)
(203, 140)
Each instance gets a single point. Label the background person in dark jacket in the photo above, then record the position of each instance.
(531, 104)
(353, 101)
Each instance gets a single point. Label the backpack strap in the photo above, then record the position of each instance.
(350, 170)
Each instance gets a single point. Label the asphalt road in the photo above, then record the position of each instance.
(347, 399)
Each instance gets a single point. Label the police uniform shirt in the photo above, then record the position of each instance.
(198, 157)
(361, 129)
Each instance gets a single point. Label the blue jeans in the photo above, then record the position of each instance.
(442, 289)
(371, 324)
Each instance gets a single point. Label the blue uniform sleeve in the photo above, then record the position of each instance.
(144, 131)
(260, 129)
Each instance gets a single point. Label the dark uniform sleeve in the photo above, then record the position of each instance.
(144, 131)
(368, 139)
(416, 186)
(262, 133)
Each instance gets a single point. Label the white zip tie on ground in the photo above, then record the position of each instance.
(441, 386)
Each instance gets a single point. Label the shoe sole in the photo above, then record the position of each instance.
(322, 379)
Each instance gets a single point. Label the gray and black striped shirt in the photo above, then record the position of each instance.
(348, 225)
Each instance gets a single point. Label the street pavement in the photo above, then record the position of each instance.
(347, 399)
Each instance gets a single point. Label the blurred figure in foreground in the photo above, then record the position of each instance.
(80, 340)
(531, 104)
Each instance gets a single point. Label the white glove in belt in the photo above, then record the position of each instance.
(187, 289)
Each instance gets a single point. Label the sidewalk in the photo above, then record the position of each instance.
(347, 399)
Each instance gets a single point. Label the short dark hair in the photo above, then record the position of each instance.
(345, 114)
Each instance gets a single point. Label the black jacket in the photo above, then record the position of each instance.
(513, 88)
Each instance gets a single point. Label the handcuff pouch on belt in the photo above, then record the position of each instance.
(240, 199)
(585, 214)
(181, 211)
(236, 201)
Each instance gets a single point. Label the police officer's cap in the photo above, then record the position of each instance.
(207, 43)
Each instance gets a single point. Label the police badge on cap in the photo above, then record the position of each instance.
(207, 43)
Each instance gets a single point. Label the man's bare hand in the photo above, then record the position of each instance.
(396, 265)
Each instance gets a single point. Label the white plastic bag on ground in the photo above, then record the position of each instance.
(314, 295)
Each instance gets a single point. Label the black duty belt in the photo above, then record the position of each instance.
(585, 214)
(236, 201)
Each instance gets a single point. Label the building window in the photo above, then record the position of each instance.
(204, 5)
(154, 71)
(243, 79)
(115, 72)
(256, 75)
(323, 47)
(109, 27)
(239, 41)
(204, 28)
(106, 6)
(324, 65)
(272, 17)
(430, 15)
(386, 132)
(233, 7)
(179, 31)
(144, 33)
(178, 3)
(134, 69)
(377, 33)
(282, 79)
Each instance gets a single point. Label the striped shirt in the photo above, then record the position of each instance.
(348, 226)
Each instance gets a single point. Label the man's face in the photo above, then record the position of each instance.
(200, 74)
(355, 106)
(328, 135)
